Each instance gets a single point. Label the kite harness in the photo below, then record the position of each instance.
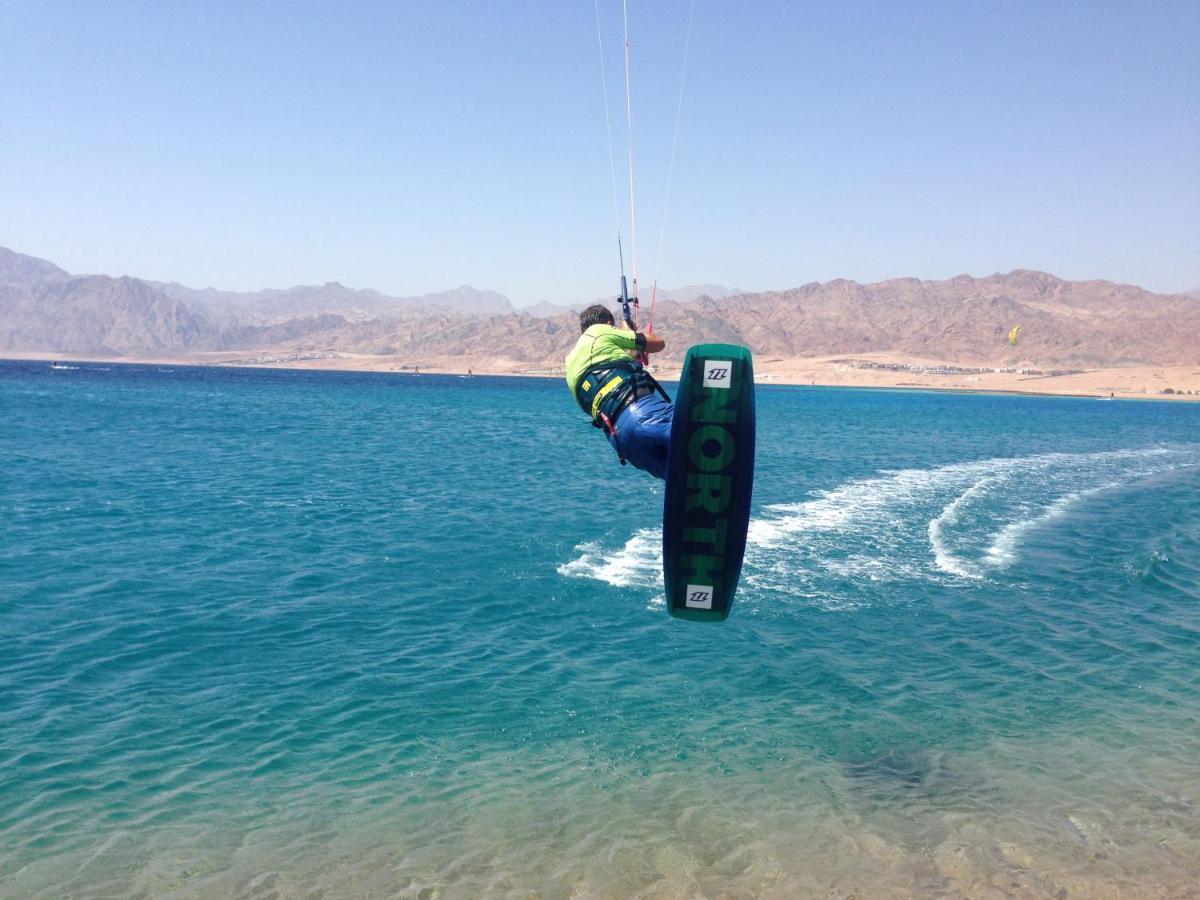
(608, 388)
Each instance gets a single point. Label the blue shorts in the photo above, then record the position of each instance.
(643, 434)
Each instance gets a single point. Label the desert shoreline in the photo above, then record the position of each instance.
(877, 371)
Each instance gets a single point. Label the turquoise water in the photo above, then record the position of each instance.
(272, 632)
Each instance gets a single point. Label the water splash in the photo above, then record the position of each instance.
(962, 521)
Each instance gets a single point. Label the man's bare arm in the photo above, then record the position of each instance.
(654, 343)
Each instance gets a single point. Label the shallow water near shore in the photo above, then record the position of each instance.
(281, 632)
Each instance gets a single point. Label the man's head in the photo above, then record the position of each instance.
(596, 314)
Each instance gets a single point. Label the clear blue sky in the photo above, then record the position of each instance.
(412, 147)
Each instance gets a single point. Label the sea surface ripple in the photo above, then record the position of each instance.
(267, 633)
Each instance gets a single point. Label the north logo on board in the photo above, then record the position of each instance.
(706, 509)
(699, 596)
(717, 373)
(711, 450)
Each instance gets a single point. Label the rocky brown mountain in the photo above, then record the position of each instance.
(98, 315)
(20, 271)
(963, 320)
(271, 307)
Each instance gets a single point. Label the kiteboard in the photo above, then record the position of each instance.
(710, 474)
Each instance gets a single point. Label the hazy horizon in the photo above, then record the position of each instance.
(566, 302)
(411, 149)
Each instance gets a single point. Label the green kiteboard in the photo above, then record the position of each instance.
(710, 475)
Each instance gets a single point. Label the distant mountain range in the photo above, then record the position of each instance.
(275, 306)
(42, 307)
(963, 319)
(545, 310)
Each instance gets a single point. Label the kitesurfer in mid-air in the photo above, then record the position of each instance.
(610, 384)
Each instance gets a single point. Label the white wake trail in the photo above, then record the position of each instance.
(964, 520)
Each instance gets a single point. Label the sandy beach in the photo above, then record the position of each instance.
(880, 370)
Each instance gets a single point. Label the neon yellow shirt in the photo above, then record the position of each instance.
(600, 343)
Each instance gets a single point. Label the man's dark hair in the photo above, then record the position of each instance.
(596, 314)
